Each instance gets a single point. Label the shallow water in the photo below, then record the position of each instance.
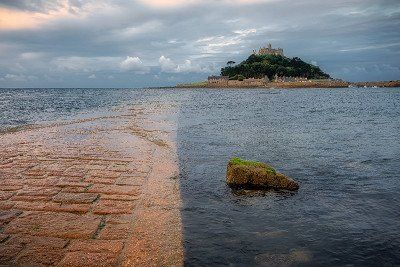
(22, 106)
(342, 145)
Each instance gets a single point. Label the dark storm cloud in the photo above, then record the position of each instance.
(131, 43)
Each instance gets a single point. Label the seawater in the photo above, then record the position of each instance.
(34, 106)
(341, 145)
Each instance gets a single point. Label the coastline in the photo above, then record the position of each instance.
(92, 192)
(306, 84)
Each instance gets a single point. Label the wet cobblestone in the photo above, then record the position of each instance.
(68, 193)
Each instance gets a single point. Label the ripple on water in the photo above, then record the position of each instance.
(347, 166)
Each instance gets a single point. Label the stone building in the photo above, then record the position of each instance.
(269, 51)
(284, 79)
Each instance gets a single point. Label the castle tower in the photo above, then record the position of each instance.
(268, 50)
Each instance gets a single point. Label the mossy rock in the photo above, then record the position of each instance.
(252, 174)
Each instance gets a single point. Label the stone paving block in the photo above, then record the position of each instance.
(58, 173)
(53, 224)
(46, 182)
(4, 195)
(73, 208)
(74, 189)
(37, 171)
(39, 191)
(30, 198)
(118, 167)
(3, 175)
(130, 180)
(75, 172)
(96, 246)
(57, 168)
(97, 166)
(119, 219)
(64, 182)
(118, 226)
(40, 250)
(3, 237)
(100, 180)
(75, 197)
(30, 206)
(15, 174)
(6, 165)
(104, 174)
(143, 168)
(11, 182)
(6, 205)
(11, 187)
(114, 207)
(120, 197)
(52, 206)
(71, 179)
(8, 252)
(115, 189)
(115, 231)
(79, 259)
(8, 216)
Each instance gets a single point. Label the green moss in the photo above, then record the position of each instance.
(239, 161)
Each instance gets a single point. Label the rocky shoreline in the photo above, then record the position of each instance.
(307, 84)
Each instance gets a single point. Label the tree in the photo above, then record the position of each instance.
(259, 66)
(230, 63)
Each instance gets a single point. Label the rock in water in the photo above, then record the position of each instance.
(249, 174)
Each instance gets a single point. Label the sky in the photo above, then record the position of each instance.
(144, 43)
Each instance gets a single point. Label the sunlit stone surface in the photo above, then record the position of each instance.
(91, 192)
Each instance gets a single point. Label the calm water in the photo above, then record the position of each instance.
(342, 146)
(21, 107)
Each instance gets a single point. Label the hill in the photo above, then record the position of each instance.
(259, 66)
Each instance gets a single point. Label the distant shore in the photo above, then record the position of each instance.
(307, 84)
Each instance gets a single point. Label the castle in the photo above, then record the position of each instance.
(269, 51)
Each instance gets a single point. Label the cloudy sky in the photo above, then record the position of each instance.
(136, 43)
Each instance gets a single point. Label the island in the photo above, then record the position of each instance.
(270, 68)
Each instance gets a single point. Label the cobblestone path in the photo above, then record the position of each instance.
(95, 192)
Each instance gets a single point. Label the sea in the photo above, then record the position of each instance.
(342, 145)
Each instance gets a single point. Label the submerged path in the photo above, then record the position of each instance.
(96, 192)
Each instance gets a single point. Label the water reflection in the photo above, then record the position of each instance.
(262, 193)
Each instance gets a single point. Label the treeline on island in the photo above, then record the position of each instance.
(259, 66)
